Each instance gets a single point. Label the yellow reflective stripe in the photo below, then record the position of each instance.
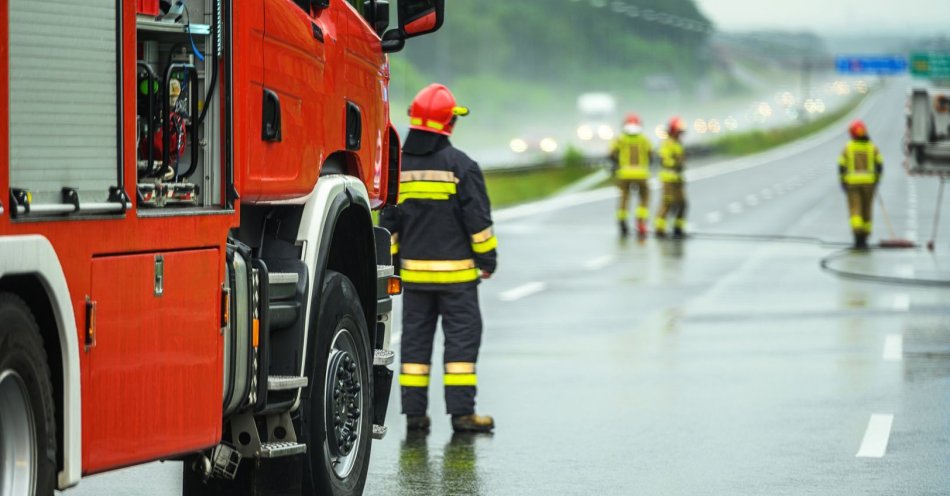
(485, 246)
(415, 121)
(460, 368)
(438, 265)
(632, 172)
(423, 196)
(857, 222)
(483, 235)
(394, 249)
(428, 175)
(858, 178)
(460, 380)
(669, 177)
(622, 215)
(435, 125)
(410, 187)
(408, 380)
(643, 212)
(416, 368)
(426, 277)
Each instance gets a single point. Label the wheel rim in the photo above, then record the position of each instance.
(343, 393)
(17, 437)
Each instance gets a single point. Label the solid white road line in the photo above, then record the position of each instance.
(522, 291)
(893, 348)
(713, 217)
(874, 444)
(901, 302)
(599, 262)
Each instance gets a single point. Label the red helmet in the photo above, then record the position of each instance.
(631, 125)
(675, 127)
(858, 129)
(435, 110)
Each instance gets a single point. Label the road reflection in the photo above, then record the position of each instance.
(454, 472)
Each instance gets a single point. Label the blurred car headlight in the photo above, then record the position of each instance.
(518, 145)
(548, 145)
(585, 132)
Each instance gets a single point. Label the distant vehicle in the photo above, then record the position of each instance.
(597, 112)
(928, 132)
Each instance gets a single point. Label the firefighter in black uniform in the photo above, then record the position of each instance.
(443, 241)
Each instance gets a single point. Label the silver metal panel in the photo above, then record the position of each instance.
(63, 109)
(285, 382)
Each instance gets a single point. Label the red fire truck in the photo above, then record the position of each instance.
(188, 264)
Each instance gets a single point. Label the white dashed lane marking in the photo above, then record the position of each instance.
(901, 302)
(713, 217)
(599, 262)
(874, 444)
(751, 200)
(735, 208)
(522, 291)
(893, 348)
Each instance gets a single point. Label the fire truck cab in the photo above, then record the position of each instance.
(188, 264)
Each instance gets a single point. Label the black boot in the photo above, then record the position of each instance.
(418, 423)
(624, 230)
(860, 241)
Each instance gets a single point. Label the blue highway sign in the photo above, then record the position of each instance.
(874, 64)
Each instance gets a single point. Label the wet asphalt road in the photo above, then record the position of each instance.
(718, 365)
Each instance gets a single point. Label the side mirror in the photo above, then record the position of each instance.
(380, 15)
(393, 41)
(419, 17)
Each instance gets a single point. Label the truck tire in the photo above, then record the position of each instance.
(27, 421)
(337, 409)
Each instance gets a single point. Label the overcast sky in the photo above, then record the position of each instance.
(830, 17)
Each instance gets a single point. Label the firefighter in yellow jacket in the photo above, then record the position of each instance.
(860, 166)
(444, 243)
(672, 163)
(631, 154)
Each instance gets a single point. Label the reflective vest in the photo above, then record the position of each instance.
(859, 162)
(633, 156)
(672, 160)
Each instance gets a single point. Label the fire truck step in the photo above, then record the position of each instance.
(383, 357)
(379, 431)
(282, 285)
(285, 382)
(277, 450)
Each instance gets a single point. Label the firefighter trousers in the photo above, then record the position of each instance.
(462, 328)
(674, 202)
(643, 190)
(860, 205)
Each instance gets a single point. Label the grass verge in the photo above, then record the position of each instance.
(757, 141)
(507, 188)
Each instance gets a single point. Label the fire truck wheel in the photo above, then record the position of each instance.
(338, 416)
(27, 422)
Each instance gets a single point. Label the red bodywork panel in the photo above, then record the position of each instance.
(314, 80)
(152, 384)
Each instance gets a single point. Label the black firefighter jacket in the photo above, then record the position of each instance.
(442, 228)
